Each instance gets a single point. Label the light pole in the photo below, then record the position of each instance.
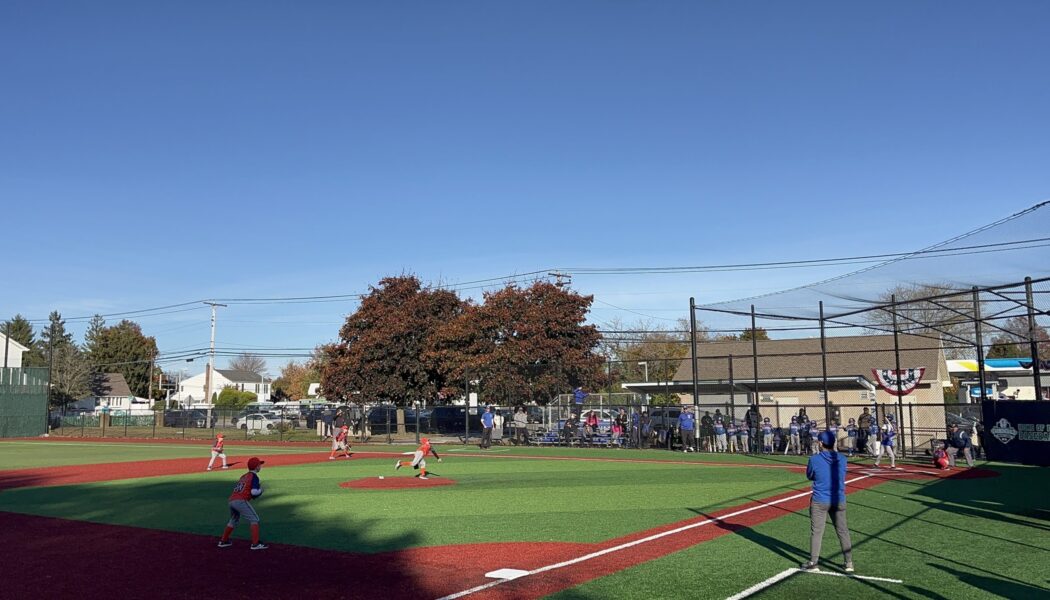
(211, 358)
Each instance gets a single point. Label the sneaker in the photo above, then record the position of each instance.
(397, 465)
(849, 567)
(259, 546)
(331, 458)
(808, 566)
(225, 544)
(225, 467)
(208, 469)
(423, 477)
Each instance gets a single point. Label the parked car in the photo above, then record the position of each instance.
(259, 423)
(194, 417)
(664, 417)
(449, 419)
(379, 416)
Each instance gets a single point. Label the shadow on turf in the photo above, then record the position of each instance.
(338, 550)
(995, 585)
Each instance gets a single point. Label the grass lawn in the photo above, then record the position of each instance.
(20, 454)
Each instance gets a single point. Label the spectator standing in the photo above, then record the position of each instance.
(636, 429)
(327, 417)
(487, 420)
(863, 425)
(521, 426)
(959, 440)
(827, 471)
(707, 432)
(731, 436)
(687, 428)
(646, 425)
(619, 427)
(754, 422)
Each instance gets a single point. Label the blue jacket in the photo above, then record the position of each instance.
(827, 471)
(486, 419)
(686, 421)
(579, 396)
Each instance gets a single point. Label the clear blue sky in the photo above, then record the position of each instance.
(157, 153)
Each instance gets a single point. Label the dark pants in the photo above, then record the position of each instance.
(818, 517)
(688, 438)
(486, 437)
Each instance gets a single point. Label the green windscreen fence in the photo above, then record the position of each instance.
(23, 402)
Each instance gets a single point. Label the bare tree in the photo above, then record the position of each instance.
(935, 311)
(246, 361)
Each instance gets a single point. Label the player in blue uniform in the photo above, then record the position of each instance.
(889, 433)
(794, 444)
(851, 437)
(767, 436)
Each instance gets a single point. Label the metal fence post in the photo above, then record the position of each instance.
(824, 368)
(752, 431)
(980, 343)
(897, 361)
(1037, 376)
(911, 423)
(696, 374)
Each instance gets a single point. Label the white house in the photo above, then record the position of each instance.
(11, 351)
(192, 391)
(113, 395)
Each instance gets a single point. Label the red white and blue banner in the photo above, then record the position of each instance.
(909, 379)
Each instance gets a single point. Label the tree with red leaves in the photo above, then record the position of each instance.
(522, 344)
(381, 354)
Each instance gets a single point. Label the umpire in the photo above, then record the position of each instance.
(827, 471)
(959, 440)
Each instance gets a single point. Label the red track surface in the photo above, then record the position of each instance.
(179, 565)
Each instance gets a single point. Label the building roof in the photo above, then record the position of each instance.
(241, 376)
(112, 384)
(14, 342)
(849, 356)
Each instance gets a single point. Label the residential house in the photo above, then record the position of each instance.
(113, 395)
(192, 391)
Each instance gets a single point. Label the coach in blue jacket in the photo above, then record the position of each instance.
(827, 471)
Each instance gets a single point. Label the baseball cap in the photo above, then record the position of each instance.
(254, 463)
(218, 435)
(424, 440)
(827, 438)
(345, 427)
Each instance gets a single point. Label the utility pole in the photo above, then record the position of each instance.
(211, 357)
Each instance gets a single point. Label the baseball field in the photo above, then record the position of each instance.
(142, 519)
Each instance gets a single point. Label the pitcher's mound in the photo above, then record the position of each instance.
(396, 483)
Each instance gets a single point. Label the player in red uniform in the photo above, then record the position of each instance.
(341, 441)
(419, 460)
(216, 451)
(247, 489)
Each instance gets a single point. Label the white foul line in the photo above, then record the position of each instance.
(758, 587)
(626, 545)
(781, 576)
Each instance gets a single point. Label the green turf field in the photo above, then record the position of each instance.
(557, 500)
(976, 538)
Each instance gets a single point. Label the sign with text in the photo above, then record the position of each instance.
(1017, 431)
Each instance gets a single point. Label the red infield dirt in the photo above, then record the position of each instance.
(135, 562)
(396, 483)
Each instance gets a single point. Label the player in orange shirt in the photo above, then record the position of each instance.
(341, 441)
(419, 460)
(247, 489)
(217, 451)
